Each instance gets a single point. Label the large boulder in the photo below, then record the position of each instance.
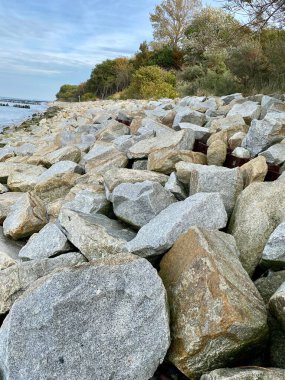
(187, 115)
(259, 210)
(89, 201)
(217, 153)
(8, 168)
(231, 124)
(273, 255)
(277, 305)
(275, 155)
(247, 110)
(138, 203)
(114, 177)
(178, 141)
(211, 179)
(254, 373)
(26, 216)
(204, 265)
(202, 209)
(67, 153)
(19, 277)
(96, 236)
(98, 321)
(176, 187)
(254, 170)
(9, 250)
(48, 242)
(164, 160)
(24, 180)
(262, 134)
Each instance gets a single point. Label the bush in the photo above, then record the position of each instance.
(151, 82)
(213, 83)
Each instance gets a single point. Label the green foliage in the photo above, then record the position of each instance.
(68, 93)
(151, 82)
(88, 96)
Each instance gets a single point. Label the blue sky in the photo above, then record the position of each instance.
(46, 43)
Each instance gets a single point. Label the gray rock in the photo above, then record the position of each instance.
(89, 202)
(267, 286)
(138, 203)
(241, 152)
(259, 210)
(24, 180)
(7, 200)
(273, 255)
(112, 130)
(26, 149)
(7, 168)
(58, 169)
(254, 373)
(114, 177)
(262, 134)
(67, 153)
(98, 321)
(275, 155)
(229, 98)
(48, 242)
(140, 165)
(9, 251)
(214, 179)
(26, 216)
(232, 123)
(96, 236)
(17, 278)
(6, 152)
(248, 110)
(277, 305)
(150, 127)
(199, 132)
(202, 209)
(186, 115)
(215, 309)
(176, 187)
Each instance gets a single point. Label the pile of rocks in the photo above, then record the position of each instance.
(123, 246)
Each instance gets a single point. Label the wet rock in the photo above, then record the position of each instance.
(156, 237)
(204, 264)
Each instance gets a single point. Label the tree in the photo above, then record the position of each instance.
(259, 13)
(68, 93)
(171, 19)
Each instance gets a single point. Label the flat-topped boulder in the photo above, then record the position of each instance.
(66, 153)
(187, 115)
(8, 168)
(247, 110)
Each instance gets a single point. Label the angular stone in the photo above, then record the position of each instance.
(24, 180)
(49, 242)
(6, 152)
(164, 160)
(268, 285)
(254, 171)
(241, 152)
(229, 98)
(114, 177)
(150, 127)
(199, 132)
(260, 208)
(248, 110)
(213, 179)
(203, 209)
(56, 181)
(7, 168)
(112, 130)
(89, 202)
(204, 265)
(236, 140)
(178, 141)
(26, 216)
(277, 305)
(107, 161)
(7, 200)
(138, 203)
(9, 249)
(186, 115)
(115, 311)
(273, 255)
(96, 236)
(67, 153)
(3, 189)
(140, 165)
(17, 278)
(254, 373)
(275, 155)
(176, 187)
(262, 134)
(233, 123)
(217, 153)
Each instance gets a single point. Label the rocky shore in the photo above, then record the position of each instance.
(144, 240)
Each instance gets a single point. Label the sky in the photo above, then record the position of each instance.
(47, 43)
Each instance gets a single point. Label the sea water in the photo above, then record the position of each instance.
(12, 115)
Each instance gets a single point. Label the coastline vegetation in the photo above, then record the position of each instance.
(195, 51)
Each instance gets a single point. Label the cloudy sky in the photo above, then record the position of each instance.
(46, 43)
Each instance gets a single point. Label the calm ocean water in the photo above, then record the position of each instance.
(12, 115)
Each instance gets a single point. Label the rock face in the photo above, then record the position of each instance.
(120, 330)
(48, 242)
(138, 203)
(254, 373)
(17, 278)
(96, 236)
(277, 305)
(204, 265)
(259, 210)
(27, 215)
(211, 179)
(156, 237)
(273, 255)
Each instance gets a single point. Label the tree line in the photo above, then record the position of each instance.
(197, 51)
